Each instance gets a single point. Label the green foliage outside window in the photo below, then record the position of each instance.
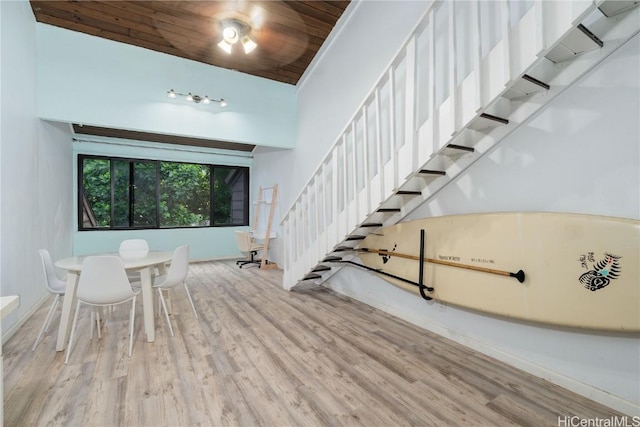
(155, 194)
(221, 197)
(97, 192)
(184, 194)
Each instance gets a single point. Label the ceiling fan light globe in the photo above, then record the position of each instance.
(224, 45)
(248, 44)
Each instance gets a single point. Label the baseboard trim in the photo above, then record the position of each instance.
(220, 258)
(6, 335)
(622, 405)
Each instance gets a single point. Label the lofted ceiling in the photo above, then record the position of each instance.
(288, 33)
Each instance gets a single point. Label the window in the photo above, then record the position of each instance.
(117, 193)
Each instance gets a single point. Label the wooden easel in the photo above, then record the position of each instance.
(267, 235)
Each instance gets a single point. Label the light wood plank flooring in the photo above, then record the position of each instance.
(263, 356)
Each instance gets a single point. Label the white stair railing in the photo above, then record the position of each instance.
(431, 114)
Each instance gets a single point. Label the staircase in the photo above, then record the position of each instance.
(459, 85)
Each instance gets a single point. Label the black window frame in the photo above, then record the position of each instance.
(132, 160)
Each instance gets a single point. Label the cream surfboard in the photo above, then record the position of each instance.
(564, 269)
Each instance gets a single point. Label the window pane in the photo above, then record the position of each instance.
(121, 193)
(184, 194)
(229, 194)
(117, 193)
(144, 194)
(96, 200)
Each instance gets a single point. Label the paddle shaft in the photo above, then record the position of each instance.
(519, 275)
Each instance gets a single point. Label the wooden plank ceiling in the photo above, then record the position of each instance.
(288, 33)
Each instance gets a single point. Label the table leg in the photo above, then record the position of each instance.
(68, 309)
(147, 304)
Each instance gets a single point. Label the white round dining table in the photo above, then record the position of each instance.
(144, 265)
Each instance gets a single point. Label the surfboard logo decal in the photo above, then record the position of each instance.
(386, 257)
(602, 273)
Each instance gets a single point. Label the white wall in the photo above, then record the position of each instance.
(36, 171)
(580, 154)
(93, 81)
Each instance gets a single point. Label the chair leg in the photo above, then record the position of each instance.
(252, 260)
(95, 313)
(166, 313)
(107, 311)
(157, 313)
(98, 324)
(132, 322)
(47, 321)
(167, 300)
(91, 324)
(190, 299)
(73, 332)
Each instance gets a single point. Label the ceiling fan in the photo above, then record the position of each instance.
(240, 34)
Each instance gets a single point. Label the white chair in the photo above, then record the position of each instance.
(178, 270)
(247, 245)
(55, 285)
(132, 249)
(103, 283)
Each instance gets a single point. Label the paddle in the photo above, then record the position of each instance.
(519, 275)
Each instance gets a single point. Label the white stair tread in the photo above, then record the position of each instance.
(614, 7)
(523, 87)
(575, 43)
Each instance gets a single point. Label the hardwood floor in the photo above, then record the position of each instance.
(263, 356)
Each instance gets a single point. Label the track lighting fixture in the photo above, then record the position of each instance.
(196, 98)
